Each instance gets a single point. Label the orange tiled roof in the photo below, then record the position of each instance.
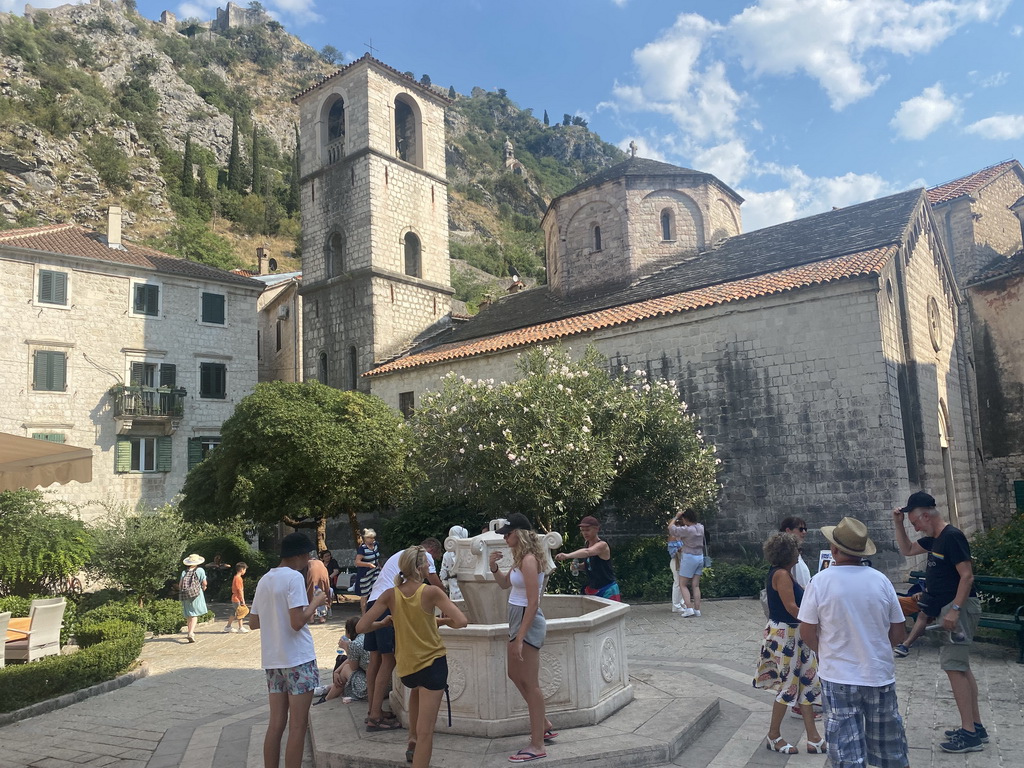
(851, 265)
(73, 240)
(969, 184)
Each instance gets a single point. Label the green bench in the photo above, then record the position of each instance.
(995, 585)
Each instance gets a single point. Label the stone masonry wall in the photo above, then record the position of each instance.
(102, 337)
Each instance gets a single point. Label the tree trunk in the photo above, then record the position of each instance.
(321, 533)
(353, 524)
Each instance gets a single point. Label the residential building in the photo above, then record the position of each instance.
(135, 353)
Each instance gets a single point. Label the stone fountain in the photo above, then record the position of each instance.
(583, 669)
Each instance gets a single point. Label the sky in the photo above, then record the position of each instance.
(798, 105)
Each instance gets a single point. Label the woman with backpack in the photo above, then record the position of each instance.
(191, 586)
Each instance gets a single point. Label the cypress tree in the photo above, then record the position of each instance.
(451, 92)
(293, 182)
(188, 184)
(546, 122)
(255, 155)
(234, 159)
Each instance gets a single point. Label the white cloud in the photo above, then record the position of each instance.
(992, 81)
(803, 195)
(644, 147)
(999, 127)
(18, 6)
(831, 40)
(675, 81)
(920, 116)
(730, 161)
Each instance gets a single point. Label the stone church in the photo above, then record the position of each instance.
(822, 356)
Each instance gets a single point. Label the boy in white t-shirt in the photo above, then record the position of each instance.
(281, 611)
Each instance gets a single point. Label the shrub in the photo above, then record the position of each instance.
(100, 597)
(92, 632)
(40, 543)
(1000, 552)
(733, 580)
(124, 611)
(165, 617)
(54, 676)
(110, 162)
(161, 617)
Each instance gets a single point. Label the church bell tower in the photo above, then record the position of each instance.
(374, 199)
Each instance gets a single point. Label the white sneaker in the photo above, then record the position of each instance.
(696, 612)
(230, 628)
(319, 691)
(677, 609)
(244, 629)
(687, 613)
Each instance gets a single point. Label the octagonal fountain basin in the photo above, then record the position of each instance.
(583, 670)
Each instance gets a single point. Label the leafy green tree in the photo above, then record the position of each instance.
(257, 184)
(425, 80)
(235, 181)
(40, 543)
(331, 55)
(192, 239)
(110, 162)
(566, 119)
(452, 94)
(139, 550)
(554, 443)
(301, 454)
(188, 182)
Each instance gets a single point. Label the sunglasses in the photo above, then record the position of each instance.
(802, 529)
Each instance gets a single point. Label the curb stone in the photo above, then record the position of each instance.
(74, 697)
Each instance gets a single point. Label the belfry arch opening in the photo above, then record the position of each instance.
(412, 255)
(334, 132)
(408, 134)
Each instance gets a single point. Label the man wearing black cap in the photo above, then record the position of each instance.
(281, 610)
(949, 594)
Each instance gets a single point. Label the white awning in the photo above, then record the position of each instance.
(29, 463)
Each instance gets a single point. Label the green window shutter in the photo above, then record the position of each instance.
(147, 299)
(168, 375)
(195, 451)
(53, 287)
(163, 453)
(213, 308)
(138, 371)
(52, 437)
(123, 455)
(49, 371)
(1018, 494)
(213, 380)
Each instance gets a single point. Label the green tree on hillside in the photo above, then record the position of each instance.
(257, 185)
(331, 55)
(235, 181)
(546, 122)
(301, 454)
(188, 186)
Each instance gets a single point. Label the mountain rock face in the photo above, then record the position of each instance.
(96, 103)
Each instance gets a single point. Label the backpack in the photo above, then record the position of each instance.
(191, 586)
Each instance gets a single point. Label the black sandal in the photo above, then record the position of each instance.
(409, 752)
(382, 725)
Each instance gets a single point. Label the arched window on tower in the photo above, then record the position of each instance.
(597, 237)
(353, 370)
(321, 368)
(335, 255)
(412, 255)
(406, 132)
(668, 225)
(335, 139)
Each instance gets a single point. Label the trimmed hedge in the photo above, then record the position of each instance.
(161, 617)
(115, 651)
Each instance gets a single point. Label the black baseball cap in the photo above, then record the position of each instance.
(295, 544)
(515, 521)
(919, 500)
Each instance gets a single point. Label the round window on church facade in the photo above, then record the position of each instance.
(935, 323)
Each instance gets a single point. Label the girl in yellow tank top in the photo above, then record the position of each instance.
(419, 651)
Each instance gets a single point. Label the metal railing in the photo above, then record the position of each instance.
(138, 401)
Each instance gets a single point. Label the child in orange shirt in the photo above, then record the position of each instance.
(238, 600)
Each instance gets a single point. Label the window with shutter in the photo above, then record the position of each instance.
(49, 371)
(52, 437)
(147, 300)
(168, 375)
(53, 287)
(163, 453)
(213, 308)
(123, 455)
(199, 448)
(213, 380)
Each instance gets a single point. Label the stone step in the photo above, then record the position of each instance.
(647, 732)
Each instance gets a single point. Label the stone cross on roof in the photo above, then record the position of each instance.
(633, 148)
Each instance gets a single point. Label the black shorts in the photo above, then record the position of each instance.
(433, 677)
(380, 640)
(928, 605)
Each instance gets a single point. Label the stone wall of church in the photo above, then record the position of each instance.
(402, 310)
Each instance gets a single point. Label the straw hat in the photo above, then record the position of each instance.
(194, 559)
(851, 537)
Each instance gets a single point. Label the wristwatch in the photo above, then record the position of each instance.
(955, 607)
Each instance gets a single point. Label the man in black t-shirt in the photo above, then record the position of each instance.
(949, 594)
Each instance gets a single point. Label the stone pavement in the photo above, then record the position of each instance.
(204, 705)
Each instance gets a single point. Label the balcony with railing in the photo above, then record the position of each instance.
(135, 404)
(335, 150)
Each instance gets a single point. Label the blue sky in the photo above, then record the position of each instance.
(799, 105)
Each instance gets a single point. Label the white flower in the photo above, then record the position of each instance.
(586, 428)
(511, 457)
(462, 450)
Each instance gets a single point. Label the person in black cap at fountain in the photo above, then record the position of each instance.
(600, 577)
(949, 594)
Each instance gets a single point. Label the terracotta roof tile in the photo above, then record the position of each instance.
(969, 184)
(73, 240)
(852, 265)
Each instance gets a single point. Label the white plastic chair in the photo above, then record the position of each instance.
(43, 635)
(47, 601)
(4, 618)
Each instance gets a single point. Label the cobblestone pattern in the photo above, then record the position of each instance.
(204, 705)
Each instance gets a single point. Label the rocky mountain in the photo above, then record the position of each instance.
(189, 126)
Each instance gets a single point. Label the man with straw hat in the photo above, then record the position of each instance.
(851, 617)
